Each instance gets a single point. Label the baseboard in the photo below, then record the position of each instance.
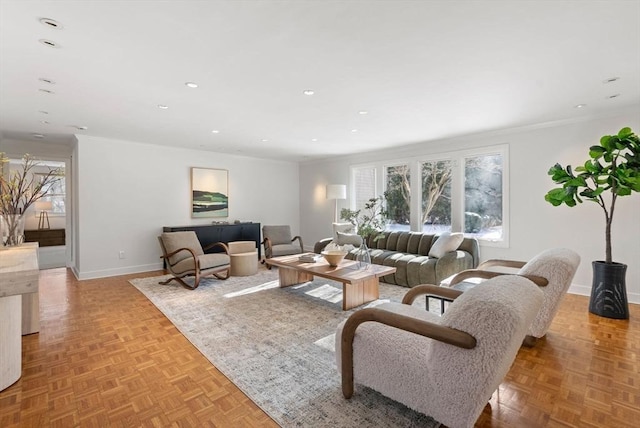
(118, 271)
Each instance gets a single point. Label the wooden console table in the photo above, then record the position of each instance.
(19, 306)
(45, 237)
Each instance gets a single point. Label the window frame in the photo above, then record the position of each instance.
(458, 158)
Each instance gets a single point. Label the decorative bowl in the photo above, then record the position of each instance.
(334, 257)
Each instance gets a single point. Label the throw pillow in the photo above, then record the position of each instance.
(349, 239)
(342, 228)
(446, 243)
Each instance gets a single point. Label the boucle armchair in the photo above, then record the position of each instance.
(278, 242)
(185, 256)
(445, 367)
(552, 270)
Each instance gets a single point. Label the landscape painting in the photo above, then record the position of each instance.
(209, 192)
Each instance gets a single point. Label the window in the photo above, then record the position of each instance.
(56, 195)
(364, 186)
(483, 196)
(464, 191)
(436, 196)
(398, 192)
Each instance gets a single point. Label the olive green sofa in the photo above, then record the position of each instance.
(408, 252)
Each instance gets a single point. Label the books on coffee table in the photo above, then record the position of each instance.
(309, 258)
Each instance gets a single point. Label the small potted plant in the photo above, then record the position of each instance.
(612, 171)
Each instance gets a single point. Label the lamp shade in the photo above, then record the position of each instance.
(336, 191)
(44, 205)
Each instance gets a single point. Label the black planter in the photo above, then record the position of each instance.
(609, 291)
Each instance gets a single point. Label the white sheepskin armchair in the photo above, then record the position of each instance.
(445, 367)
(553, 270)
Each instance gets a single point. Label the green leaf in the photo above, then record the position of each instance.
(576, 182)
(591, 193)
(596, 151)
(605, 142)
(623, 191)
(625, 132)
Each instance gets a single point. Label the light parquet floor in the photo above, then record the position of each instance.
(106, 357)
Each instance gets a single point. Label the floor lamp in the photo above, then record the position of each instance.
(336, 191)
(43, 207)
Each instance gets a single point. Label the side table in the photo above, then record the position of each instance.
(244, 258)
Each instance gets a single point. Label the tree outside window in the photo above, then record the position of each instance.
(483, 196)
(436, 196)
(398, 195)
(56, 194)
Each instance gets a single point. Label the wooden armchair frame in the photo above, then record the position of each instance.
(480, 272)
(220, 272)
(424, 328)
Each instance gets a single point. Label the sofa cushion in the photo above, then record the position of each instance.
(446, 243)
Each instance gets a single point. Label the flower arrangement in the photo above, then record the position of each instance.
(19, 190)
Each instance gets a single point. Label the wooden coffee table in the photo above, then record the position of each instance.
(359, 286)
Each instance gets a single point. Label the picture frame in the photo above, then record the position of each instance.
(209, 192)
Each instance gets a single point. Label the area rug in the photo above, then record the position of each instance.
(277, 345)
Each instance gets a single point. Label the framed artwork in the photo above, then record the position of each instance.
(209, 192)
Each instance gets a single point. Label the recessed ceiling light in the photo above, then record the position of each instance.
(47, 91)
(264, 140)
(611, 80)
(215, 131)
(308, 92)
(49, 81)
(49, 43)
(580, 106)
(314, 139)
(354, 130)
(51, 23)
(191, 84)
(162, 106)
(37, 135)
(613, 96)
(363, 112)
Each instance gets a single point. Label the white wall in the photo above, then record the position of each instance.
(127, 191)
(535, 224)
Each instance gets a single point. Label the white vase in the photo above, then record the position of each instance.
(12, 226)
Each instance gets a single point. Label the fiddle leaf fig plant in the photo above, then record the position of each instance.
(613, 170)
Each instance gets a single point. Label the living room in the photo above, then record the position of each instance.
(123, 190)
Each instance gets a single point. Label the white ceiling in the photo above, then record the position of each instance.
(423, 70)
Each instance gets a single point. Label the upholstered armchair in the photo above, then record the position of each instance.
(278, 242)
(552, 270)
(445, 367)
(184, 256)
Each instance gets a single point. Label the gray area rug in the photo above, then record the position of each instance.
(277, 345)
